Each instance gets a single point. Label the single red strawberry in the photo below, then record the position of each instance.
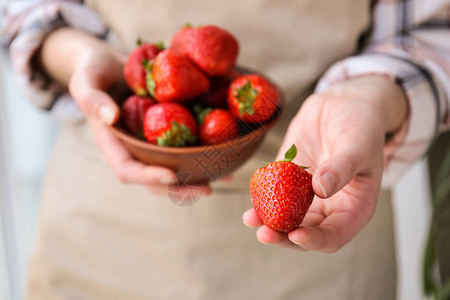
(217, 94)
(212, 48)
(134, 69)
(252, 98)
(174, 78)
(178, 38)
(133, 112)
(170, 124)
(218, 126)
(282, 193)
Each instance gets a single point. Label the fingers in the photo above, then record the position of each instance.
(251, 219)
(159, 180)
(124, 166)
(269, 236)
(266, 235)
(334, 173)
(92, 100)
(228, 178)
(333, 234)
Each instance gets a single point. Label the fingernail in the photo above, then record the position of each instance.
(327, 184)
(106, 114)
(168, 180)
(245, 223)
(301, 244)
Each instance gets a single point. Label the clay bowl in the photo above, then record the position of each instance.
(200, 164)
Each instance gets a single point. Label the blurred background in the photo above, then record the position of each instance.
(26, 138)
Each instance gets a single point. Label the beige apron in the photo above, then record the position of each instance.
(100, 239)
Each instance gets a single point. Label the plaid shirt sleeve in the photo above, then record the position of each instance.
(26, 24)
(408, 43)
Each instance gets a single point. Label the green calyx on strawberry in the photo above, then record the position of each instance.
(160, 45)
(169, 124)
(290, 155)
(179, 135)
(134, 71)
(282, 193)
(246, 96)
(149, 81)
(200, 112)
(252, 98)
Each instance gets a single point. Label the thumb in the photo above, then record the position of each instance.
(98, 105)
(95, 103)
(335, 173)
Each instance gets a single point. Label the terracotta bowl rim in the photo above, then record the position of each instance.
(256, 133)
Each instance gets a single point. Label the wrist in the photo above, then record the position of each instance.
(382, 93)
(65, 49)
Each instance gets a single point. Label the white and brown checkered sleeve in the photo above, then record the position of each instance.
(25, 25)
(409, 43)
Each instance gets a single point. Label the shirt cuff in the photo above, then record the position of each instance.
(25, 29)
(416, 134)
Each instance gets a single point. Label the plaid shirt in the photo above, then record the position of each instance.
(409, 42)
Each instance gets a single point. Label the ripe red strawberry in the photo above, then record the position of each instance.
(175, 78)
(252, 98)
(179, 37)
(282, 193)
(217, 94)
(213, 49)
(218, 126)
(134, 69)
(133, 111)
(170, 124)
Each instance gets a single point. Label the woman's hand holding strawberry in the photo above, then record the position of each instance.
(340, 134)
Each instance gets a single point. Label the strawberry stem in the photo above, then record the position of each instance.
(246, 96)
(177, 136)
(160, 45)
(290, 154)
(201, 112)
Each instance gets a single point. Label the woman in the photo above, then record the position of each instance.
(103, 235)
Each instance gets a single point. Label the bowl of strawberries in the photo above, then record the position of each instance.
(191, 109)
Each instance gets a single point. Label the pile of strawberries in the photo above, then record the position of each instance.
(192, 93)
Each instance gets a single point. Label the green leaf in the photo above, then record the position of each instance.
(144, 63)
(160, 45)
(177, 136)
(246, 96)
(201, 112)
(444, 292)
(428, 262)
(290, 154)
(140, 135)
(139, 41)
(149, 80)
